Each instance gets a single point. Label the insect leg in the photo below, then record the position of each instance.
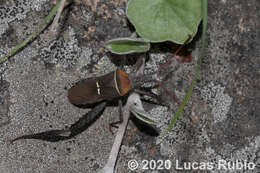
(169, 92)
(120, 117)
(175, 53)
(152, 95)
(84, 122)
(120, 110)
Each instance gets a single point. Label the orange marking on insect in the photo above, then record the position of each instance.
(123, 82)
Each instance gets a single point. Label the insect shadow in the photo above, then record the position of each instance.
(148, 129)
(78, 127)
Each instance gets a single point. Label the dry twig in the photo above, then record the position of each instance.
(133, 99)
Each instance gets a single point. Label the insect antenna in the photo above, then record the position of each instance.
(141, 80)
(165, 64)
(175, 53)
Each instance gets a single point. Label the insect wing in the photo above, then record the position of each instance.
(84, 92)
(107, 87)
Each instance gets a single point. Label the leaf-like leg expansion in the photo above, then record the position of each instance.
(84, 122)
(76, 128)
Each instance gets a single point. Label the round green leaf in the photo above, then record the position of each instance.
(123, 46)
(165, 20)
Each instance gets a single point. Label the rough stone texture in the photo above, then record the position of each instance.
(221, 121)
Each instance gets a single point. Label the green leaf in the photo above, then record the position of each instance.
(123, 46)
(165, 20)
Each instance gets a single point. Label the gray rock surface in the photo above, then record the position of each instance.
(224, 107)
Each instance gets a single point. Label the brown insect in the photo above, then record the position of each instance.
(99, 90)
(107, 87)
(93, 90)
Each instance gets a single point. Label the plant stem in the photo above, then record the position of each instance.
(33, 34)
(54, 24)
(188, 94)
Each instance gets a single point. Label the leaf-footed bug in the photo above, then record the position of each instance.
(100, 90)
